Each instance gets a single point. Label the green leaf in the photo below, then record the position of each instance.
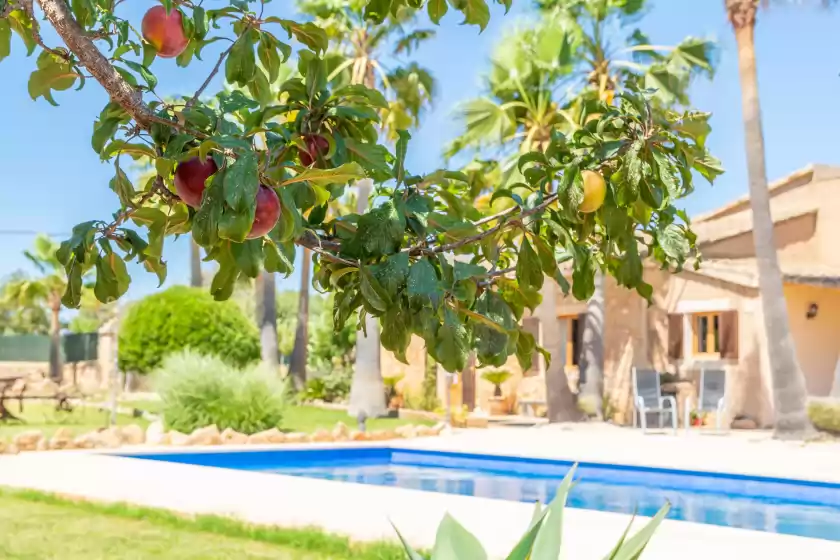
(269, 55)
(373, 157)
(667, 173)
(53, 73)
(307, 33)
(21, 24)
(412, 554)
(112, 278)
(437, 9)
(200, 19)
(175, 145)
(72, 297)
(149, 54)
(528, 267)
(5, 38)
(241, 64)
(205, 228)
(392, 273)
(583, 275)
(380, 231)
(395, 333)
(260, 89)
(673, 241)
(224, 281)
(340, 175)
(522, 550)
(277, 259)
(464, 270)
(121, 185)
(423, 283)
(490, 334)
(475, 12)
(241, 183)
(372, 290)
(454, 542)
(550, 538)
(377, 10)
(631, 549)
(399, 162)
(359, 92)
(248, 256)
(144, 72)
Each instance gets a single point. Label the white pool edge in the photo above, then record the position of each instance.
(365, 512)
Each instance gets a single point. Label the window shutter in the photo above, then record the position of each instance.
(532, 325)
(675, 337)
(729, 335)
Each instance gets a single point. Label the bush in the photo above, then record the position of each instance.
(185, 318)
(331, 387)
(542, 540)
(825, 415)
(197, 391)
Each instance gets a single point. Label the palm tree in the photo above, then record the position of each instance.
(789, 393)
(297, 363)
(543, 77)
(46, 289)
(195, 264)
(362, 53)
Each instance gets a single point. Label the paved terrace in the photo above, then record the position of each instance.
(365, 512)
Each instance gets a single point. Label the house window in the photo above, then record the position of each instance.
(706, 333)
(574, 332)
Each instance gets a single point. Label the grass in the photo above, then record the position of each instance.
(41, 526)
(44, 417)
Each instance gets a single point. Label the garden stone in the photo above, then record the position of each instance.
(321, 436)
(10, 449)
(85, 441)
(425, 431)
(407, 431)
(175, 437)
(155, 434)
(28, 441)
(232, 437)
(110, 438)
(382, 435)
(438, 428)
(275, 436)
(132, 434)
(209, 435)
(43, 445)
(260, 438)
(356, 435)
(297, 437)
(341, 432)
(62, 439)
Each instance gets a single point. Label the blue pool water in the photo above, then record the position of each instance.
(808, 509)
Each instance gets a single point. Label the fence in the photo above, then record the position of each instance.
(81, 347)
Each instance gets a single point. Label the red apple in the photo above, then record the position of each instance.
(165, 32)
(315, 145)
(267, 213)
(190, 178)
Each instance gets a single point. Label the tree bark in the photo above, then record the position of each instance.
(266, 307)
(789, 393)
(592, 356)
(55, 339)
(196, 280)
(561, 402)
(297, 364)
(367, 392)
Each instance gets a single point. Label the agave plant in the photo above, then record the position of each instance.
(497, 378)
(542, 541)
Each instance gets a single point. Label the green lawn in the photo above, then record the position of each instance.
(44, 417)
(37, 526)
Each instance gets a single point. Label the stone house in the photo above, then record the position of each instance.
(711, 317)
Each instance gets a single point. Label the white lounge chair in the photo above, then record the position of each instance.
(648, 399)
(712, 397)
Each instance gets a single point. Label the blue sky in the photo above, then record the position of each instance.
(51, 179)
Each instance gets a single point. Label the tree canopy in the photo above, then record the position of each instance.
(307, 143)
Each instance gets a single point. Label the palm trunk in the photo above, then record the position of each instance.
(297, 364)
(266, 294)
(592, 358)
(367, 393)
(195, 265)
(561, 402)
(789, 394)
(55, 340)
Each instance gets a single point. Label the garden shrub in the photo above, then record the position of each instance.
(201, 390)
(185, 318)
(329, 387)
(825, 414)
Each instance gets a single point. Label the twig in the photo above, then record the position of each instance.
(26, 6)
(213, 72)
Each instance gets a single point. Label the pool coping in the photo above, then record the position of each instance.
(336, 506)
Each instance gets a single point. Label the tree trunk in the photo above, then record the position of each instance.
(195, 265)
(266, 304)
(592, 356)
(789, 394)
(297, 364)
(561, 402)
(55, 340)
(367, 393)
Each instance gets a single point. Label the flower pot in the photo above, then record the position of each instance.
(498, 406)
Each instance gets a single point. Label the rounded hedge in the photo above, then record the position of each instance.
(182, 318)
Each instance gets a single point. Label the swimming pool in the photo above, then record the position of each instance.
(808, 509)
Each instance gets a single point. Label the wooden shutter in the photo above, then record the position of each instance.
(729, 335)
(675, 337)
